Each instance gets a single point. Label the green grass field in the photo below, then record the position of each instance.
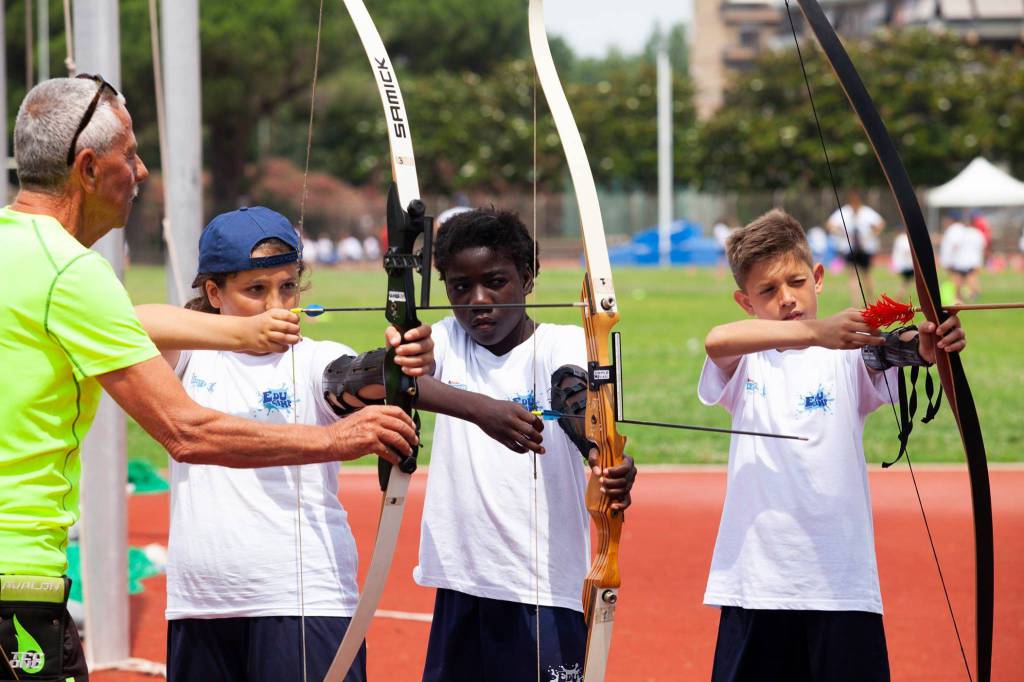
(665, 315)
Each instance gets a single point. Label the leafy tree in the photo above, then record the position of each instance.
(453, 35)
(933, 91)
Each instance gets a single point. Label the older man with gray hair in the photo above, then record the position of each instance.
(68, 330)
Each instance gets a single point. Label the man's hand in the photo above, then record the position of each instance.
(616, 482)
(950, 335)
(510, 424)
(415, 353)
(382, 430)
(270, 332)
(846, 330)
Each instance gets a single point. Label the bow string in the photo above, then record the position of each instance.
(407, 221)
(949, 365)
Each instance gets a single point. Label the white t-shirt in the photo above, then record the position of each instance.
(233, 547)
(350, 248)
(962, 248)
(478, 535)
(796, 529)
(861, 225)
(902, 258)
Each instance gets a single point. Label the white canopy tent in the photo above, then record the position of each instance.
(978, 185)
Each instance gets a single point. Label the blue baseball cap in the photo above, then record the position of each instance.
(227, 242)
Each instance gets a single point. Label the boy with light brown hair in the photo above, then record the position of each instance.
(794, 569)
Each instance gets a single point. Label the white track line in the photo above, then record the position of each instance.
(404, 615)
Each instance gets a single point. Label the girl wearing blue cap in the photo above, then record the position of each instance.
(237, 597)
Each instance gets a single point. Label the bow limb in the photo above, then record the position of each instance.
(600, 590)
(400, 310)
(949, 365)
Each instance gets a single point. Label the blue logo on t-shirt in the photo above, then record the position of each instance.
(276, 400)
(819, 400)
(755, 388)
(527, 400)
(201, 384)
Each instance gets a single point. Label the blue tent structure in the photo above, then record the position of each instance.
(688, 246)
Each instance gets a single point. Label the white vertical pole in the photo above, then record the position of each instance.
(664, 156)
(104, 526)
(182, 163)
(3, 107)
(43, 36)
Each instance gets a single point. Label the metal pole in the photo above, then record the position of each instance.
(43, 36)
(664, 157)
(30, 79)
(104, 526)
(182, 163)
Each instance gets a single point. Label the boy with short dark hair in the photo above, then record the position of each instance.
(794, 568)
(504, 536)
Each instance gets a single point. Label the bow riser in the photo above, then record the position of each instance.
(601, 586)
(949, 366)
(600, 429)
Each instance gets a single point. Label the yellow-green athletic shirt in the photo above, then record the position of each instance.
(64, 319)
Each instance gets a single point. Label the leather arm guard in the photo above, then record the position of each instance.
(569, 398)
(353, 382)
(894, 352)
(897, 353)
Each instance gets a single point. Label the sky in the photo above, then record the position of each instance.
(592, 26)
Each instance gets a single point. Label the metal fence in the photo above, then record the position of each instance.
(624, 214)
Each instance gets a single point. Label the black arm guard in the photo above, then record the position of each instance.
(569, 398)
(894, 352)
(351, 383)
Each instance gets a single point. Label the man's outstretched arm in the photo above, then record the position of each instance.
(151, 393)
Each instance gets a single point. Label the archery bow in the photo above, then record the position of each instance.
(601, 588)
(405, 225)
(950, 368)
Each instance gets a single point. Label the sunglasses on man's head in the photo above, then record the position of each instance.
(89, 111)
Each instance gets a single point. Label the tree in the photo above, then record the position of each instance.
(935, 93)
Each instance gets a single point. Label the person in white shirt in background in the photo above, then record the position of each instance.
(308, 250)
(856, 227)
(962, 254)
(371, 247)
(325, 253)
(903, 263)
(818, 239)
(720, 231)
(350, 249)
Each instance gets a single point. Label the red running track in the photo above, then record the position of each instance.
(662, 632)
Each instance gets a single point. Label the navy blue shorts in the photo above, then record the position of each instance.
(473, 639)
(265, 649)
(800, 646)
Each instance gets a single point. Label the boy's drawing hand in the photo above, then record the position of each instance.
(510, 424)
(616, 482)
(846, 330)
(414, 354)
(949, 335)
(382, 430)
(272, 331)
